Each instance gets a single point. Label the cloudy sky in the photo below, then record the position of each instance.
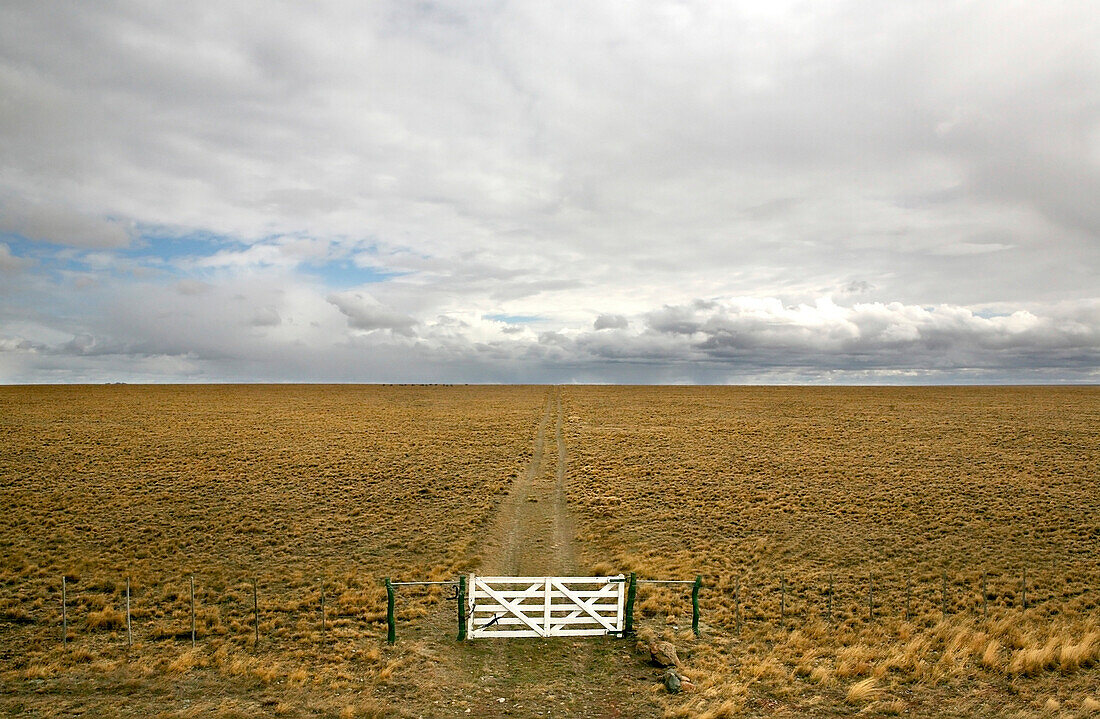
(834, 192)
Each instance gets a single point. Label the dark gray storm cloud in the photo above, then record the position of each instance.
(520, 191)
(61, 225)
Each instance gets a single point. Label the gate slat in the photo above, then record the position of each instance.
(482, 621)
(584, 607)
(587, 594)
(512, 608)
(545, 606)
(483, 607)
(601, 581)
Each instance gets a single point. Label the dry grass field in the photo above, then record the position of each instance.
(287, 485)
(763, 488)
(772, 494)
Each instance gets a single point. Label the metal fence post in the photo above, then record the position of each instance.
(908, 597)
(129, 631)
(256, 611)
(695, 603)
(631, 593)
(64, 613)
(461, 607)
(737, 605)
(782, 599)
(871, 597)
(391, 633)
(192, 610)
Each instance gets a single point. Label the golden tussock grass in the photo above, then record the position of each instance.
(106, 618)
(991, 656)
(726, 710)
(798, 497)
(862, 691)
(820, 675)
(187, 661)
(1074, 655)
(291, 486)
(792, 495)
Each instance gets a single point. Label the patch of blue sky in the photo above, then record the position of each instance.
(342, 274)
(158, 245)
(514, 319)
(49, 259)
(176, 253)
(153, 252)
(23, 247)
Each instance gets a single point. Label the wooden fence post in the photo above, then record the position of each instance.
(391, 633)
(737, 605)
(461, 596)
(943, 597)
(985, 599)
(1023, 590)
(782, 599)
(908, 597)
(256, 611)
(631, 594)
(695, 603)
(129, 631)
(192, 610)
(871, 597)
(64, 613)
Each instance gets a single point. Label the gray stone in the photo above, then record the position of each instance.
(672, 681)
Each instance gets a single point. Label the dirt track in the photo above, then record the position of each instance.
(531, 535)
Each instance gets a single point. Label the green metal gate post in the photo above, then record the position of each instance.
(631, 592)
(462, 608)
(695, 603)
(391, 635)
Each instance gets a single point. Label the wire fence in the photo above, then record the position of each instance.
(245, 610)
(734, 601)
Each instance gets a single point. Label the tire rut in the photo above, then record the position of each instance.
(563, 517)
(533, 532)
(532, 535)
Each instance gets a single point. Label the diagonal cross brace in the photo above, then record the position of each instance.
(513, 607)
(586, 606)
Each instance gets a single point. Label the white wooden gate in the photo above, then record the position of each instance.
(545, 606)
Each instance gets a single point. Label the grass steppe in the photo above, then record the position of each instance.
(754, 488)
(285, 484)
(764, 488)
